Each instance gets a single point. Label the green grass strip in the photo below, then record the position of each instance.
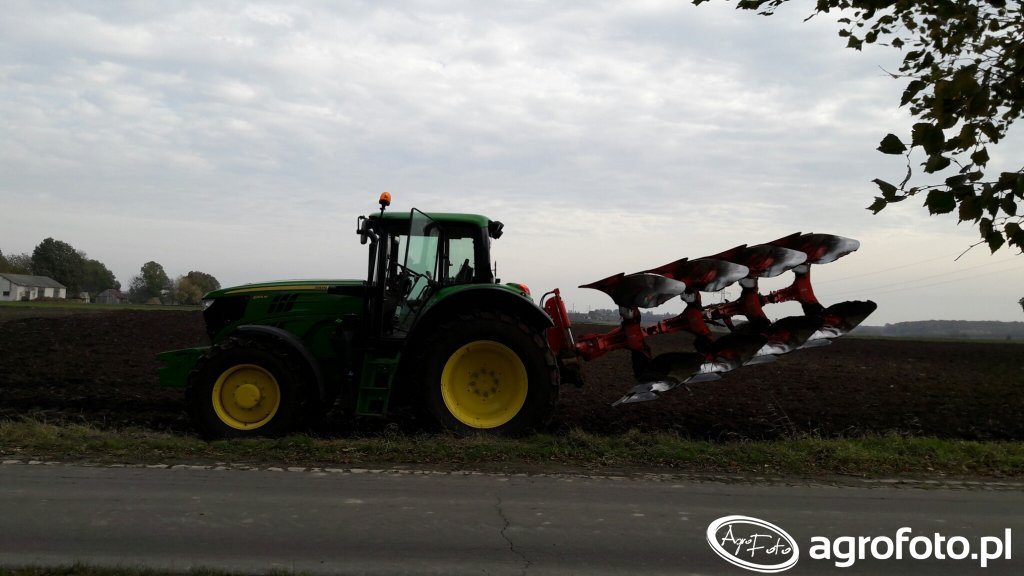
(873, 456)
(88, 570)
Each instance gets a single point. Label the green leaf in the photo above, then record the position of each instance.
(877, 205)
(1007, 182)
(980, 157)
(888, 190)
(912, 89)
(985, 227)
(958, 180)
(995, 240)
(980, 103)
(890, 193)
(968, 135)
(935, 163)
(1015, 234)
(970, 209)
(962, 191)
(1008, 205)
(989, 130)
(891, 144)
(928, 136)
(964, 82)
(940, 201)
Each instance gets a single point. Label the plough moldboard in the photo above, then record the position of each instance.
(758, 340)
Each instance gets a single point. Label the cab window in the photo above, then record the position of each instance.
(460, 260)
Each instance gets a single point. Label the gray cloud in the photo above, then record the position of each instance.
(243, 139)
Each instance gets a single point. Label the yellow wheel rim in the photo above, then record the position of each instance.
(246, 396)
(484, 384)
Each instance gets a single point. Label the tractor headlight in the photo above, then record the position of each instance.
(207, 303)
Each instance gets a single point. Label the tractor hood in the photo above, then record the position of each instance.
(287, 286)
(292, 300)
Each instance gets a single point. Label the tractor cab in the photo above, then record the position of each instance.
(415, 255)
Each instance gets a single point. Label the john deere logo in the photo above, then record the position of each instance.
(753, 544)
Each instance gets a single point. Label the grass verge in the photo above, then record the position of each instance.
(875, 456)
(88, 570)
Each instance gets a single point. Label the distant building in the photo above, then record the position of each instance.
(14, 287)
(111, 296)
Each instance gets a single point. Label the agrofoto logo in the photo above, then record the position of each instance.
(760, 546)
(753, 544)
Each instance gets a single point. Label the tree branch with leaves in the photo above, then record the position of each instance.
(963, 61)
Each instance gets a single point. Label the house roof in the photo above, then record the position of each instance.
(37, 281)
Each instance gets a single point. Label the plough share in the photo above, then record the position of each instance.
(758, 340)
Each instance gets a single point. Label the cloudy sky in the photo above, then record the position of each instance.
(243, 140)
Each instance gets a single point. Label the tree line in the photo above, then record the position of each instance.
(79, 273)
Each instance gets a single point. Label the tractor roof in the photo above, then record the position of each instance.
(439, 217)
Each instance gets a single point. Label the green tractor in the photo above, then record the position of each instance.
(430, 320)
(432, 326)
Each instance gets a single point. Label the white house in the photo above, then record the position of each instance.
(22, 287)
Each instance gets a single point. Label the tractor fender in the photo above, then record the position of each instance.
(487, 297)
(288, 339)
(464, 302)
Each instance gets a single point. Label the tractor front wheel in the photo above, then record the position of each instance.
(487, 372)
(243, 388)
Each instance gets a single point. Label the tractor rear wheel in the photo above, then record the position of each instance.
(245, 387)
(487, 372)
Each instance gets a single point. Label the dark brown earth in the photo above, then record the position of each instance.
(100, 369)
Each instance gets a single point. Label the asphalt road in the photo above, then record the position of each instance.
(366, 522)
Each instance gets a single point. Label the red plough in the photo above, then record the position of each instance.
(757, 340)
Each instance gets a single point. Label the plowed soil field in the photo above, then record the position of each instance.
(100, 369)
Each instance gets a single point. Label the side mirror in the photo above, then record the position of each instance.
(494, 229)
(365, 230)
